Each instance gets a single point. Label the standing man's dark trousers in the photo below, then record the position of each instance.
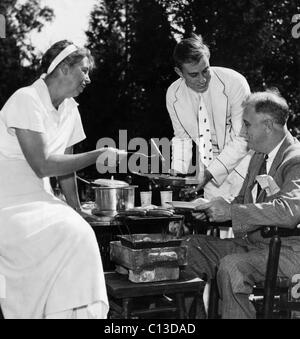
(240, 264)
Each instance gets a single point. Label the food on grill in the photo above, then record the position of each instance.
(159, 212)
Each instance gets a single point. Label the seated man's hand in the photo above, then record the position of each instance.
(200, 216)
(217, 210)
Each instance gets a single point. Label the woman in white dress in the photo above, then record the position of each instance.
(49, 257)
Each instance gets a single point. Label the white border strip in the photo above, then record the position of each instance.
(2, 287)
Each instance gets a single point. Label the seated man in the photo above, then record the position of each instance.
(242, 261)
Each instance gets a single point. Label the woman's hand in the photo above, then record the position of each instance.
(113, 155)
(109, 157)
(200, 216)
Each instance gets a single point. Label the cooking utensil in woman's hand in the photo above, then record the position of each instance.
(141, 154)
(84, 180)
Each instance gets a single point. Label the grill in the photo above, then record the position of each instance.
(149, 257)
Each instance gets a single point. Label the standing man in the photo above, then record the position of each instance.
(241, 262)
(205, 106)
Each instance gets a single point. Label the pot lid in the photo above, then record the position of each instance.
(110, 183)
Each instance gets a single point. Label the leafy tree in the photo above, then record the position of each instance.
(133, 42)
(132, 52)
(15, 49)
(151, 68)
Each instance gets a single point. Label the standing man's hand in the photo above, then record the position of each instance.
(217, 210)
(174, 173)
(191, 193)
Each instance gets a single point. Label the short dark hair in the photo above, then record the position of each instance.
(71, 60)
(189, 50)
(269, 102)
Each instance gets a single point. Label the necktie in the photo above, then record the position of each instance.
(205, 144)
(262, 170)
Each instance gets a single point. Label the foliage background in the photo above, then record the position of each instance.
(133, 40)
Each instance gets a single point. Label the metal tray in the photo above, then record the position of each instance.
(146, 258)
(156, 240)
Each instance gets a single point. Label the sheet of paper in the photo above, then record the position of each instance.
(190, 205)
(267, 183)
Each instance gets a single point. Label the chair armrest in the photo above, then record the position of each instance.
(268, 232)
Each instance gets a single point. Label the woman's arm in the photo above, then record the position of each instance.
(69, 188)
(68, 184)
(33, 145)
(181, 142)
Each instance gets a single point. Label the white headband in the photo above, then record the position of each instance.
(61, 56)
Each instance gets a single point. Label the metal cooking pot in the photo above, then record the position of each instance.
(110, 201)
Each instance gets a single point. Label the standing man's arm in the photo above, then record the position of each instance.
(236, 148)
(182, 145)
